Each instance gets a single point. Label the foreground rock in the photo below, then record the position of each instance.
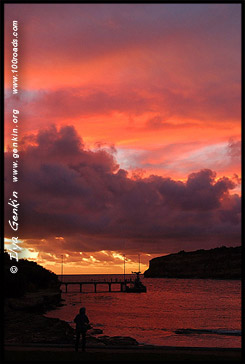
(218, 263)
(22, 327)
(95, 331)
(118, 340)
(39, 301)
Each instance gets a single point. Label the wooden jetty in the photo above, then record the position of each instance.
(122, 285)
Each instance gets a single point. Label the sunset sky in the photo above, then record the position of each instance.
(131, 131)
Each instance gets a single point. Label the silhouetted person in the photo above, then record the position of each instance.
(82, 325)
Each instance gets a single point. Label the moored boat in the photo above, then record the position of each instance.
(137, 286)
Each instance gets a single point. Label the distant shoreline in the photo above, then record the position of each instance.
(155, 277)
(119, 274)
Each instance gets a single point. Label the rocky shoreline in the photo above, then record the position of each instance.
(26, 324)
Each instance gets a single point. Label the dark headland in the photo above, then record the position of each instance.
(218, 263)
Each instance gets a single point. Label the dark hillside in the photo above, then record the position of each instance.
(30, 277)
(219, 263)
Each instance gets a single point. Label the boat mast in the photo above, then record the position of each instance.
(139, 263)
(124, 268)
(62, 268)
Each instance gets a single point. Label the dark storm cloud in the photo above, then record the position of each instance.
(83, 196)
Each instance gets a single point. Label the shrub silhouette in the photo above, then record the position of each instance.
(29, 278)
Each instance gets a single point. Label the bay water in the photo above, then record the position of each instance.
(173, 312)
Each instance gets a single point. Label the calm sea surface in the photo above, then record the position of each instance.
(210, 309)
